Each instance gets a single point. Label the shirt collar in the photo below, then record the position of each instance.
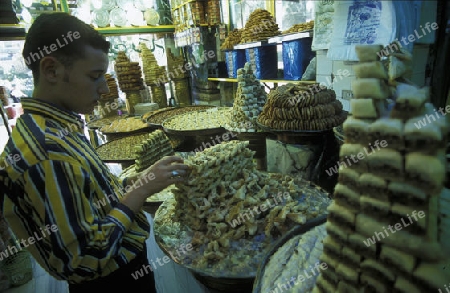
(51, 111)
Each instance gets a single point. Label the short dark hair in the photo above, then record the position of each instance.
(51, 28)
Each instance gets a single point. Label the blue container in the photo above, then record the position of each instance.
(234, 60)
(263, 61)
(296, 56)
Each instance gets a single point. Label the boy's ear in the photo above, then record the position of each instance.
(50, 69)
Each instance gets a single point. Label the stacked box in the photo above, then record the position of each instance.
(234, 59)
(296, 56)
(263, 61)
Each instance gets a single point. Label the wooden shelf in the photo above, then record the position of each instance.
(136, 30)
(305, 82)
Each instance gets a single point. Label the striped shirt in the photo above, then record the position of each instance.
(51, 175)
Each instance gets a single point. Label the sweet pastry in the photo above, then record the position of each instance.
(351, 154)
(404, 193)
(356, 130)
(260, 26)
(410, 101)
(374, 207)
(374, 186)
(248, 102)
(398, 259)
(298, 107)
(425, 138)
(424, 171)
(390, 130)
(374, 88)
(374, 69)
(386, 163)
(349, 177)
(363, 109)
(346, 197)
(368, 53)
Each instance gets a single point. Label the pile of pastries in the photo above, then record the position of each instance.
(300, 27)
(260, 26)
(299, 107)
(294, 266)
(213, 12)
(154, 147)
(248, 103)
(152, 71)
(113, 90)
(124, 125)
(174, 64)
(181, 91)
(194, 120)
(235, 211)
(383, 231)
(233, 38)
(129, 74)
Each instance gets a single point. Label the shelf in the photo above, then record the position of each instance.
(290, 37)
(306, 82)
(136, 30)
(12, 32)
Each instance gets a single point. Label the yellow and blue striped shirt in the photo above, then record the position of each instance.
(51, 175)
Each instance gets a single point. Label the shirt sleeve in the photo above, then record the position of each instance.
(87, 238)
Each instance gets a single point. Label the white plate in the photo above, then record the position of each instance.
(118, 17)
(151, 16)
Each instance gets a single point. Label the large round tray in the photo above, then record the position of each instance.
(281, 131)
(177, 234)
(298, 230)
(130, 160)
(175, 111)
(194, 132)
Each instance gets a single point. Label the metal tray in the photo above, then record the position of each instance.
(298, 230)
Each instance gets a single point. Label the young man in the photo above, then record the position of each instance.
(72, 214)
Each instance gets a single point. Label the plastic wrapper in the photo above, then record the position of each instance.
(361, 23)
(296, 56)
(263, 61)
(235, 59)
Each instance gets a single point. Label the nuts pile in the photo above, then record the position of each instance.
(129, 74)
(300, 27)
(297, 107)
(121, 149)
(260, 26)
(155, 147)
(124, 125)
(231, 40)
(152, 71)
(113, 90)
(158, 117)
(248, 103)
(195, 120)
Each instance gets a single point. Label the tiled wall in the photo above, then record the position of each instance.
(343, 72)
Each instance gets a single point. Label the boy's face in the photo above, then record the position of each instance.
(81, 85)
